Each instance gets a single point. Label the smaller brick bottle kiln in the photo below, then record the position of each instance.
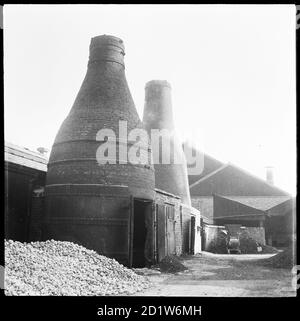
(158, 115)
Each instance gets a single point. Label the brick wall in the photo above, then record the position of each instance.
(214, 239)
(204, 204)
(257, 234)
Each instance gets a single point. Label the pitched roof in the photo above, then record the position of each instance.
(209, 175)
(257, 178)
(24, 157)
(224, 166)
(262, 203)
(210, 165)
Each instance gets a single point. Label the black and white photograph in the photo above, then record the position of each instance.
(150, 151)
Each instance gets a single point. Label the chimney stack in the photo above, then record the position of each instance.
(158, 114)
(270, 175)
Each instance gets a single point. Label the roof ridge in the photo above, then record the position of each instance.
(258, 178)
(24, 150)
(239, 199)
(235, 201)
(33, 157)
(255, 196)
(209, 175)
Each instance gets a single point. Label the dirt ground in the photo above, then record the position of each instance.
(223, 275)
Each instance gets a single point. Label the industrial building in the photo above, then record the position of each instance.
(135, 212)
(228, 195)
(112, 206)
(25, 177)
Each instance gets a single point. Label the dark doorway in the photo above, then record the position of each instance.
(192, 239)
(141, 210)
(161, 232)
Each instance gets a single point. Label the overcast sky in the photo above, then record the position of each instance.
(232, 71)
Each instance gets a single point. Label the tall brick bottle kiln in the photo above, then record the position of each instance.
(158, 114)
(93, 204)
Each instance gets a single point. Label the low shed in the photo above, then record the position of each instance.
(25, 172)
(271, 214)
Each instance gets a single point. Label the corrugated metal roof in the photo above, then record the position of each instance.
(25, 157)
(262, 203)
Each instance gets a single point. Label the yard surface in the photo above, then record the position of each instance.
(223, 275)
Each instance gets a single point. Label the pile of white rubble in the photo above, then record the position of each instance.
(65, 268)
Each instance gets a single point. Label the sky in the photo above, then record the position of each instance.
(231, 68)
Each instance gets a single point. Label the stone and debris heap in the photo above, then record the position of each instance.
(285, 259)
(171, 264)
(65, 268)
